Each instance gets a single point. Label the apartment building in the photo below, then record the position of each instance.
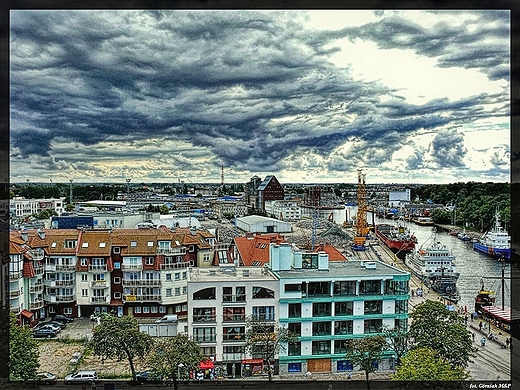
(21, 207)
(326, 303)
(220, 300)
(285, 210)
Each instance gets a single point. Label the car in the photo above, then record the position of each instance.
(45, 332)
(62, 318)
(85, 376)
(148, 376)
(60, 324)
(47, 325)
(46, 378)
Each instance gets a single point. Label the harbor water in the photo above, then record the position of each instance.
(473, 266)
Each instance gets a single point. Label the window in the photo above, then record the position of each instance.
(146, 309)
(84, 292)
(162, 309)
(102, 244)
(177, 291)
(319, 288)
(204, 314)
(234, 349)
(168, 292)
(294, 367)
(168, 277)
(292, 288)
(177, 276)
(370, 287)
(340, 346)
(184, 290)
(401, 324)
(343, 308)
(321, 347)
(321, 309)
(84, 277)
(345, 365)
(204, 334)
(149, 261)
(149, 243)
(321, 328)
(153, 309)
(373, 326)
(184, 275)
(294, 348)
(343, 327)
(137, 309)
(373, 307)
(83, 262)
(295, 328)
(117, 265)
(345, 288)
(206, 293)
(295, 310)
(262, 292)
(84, 245)
(67, 310)
(117, 280)
(234, 314)
(133, 243)
(117, 295)
(263, 313)
(51, 309)
(310, 260)
(53, 245)
(70, 244)
(116, 250)
(394, 287)
(234, 333)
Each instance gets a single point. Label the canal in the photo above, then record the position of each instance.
(472, 265)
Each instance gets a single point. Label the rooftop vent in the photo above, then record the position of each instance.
(369, 264)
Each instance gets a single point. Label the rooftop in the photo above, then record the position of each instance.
(225, 273)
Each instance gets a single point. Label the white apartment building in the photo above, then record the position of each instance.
(286, 210)
(21, 207)
(220, 300)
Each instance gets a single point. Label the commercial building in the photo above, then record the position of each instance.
(257, 223)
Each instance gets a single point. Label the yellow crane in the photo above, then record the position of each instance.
(362, 228)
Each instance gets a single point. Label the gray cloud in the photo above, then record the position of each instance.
(447, 148)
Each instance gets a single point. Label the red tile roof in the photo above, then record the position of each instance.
(334, 254)
(253, 249)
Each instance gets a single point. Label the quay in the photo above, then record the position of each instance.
(489, 363)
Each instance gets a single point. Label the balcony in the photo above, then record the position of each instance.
(49, 267)
(36, 304)
(97, 268)
(66, 267)
(234, 318)
(58, 283)
(263, 317)
(202, 318)
(171, 251)
(64, 298)
(14, 293)
(232, 356)
(170, 266)
(132, 267)
(36, 287)
(36, 254)
(142, 298)
(99, 299)
(38, 270)
(15, 275)
(99, 284)
(205, 339)
(239, 337)
(141, 282)
(229, 298)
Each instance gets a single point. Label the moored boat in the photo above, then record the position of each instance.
(463, 236)
(396, 237)
(496, 242)
(436, 267)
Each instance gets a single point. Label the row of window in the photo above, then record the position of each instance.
(239, 294)
(233, 314)
(324, 309)
(366, 287)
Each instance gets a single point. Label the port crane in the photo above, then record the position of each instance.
(362, 228)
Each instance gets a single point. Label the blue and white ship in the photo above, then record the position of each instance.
(496, 242)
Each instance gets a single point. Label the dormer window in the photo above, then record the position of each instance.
(150, 243)
(133, 243)
(84, 245)
(102, 244)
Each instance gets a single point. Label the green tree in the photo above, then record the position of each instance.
(398, 341)
(119, 338)
(266, 339)
(365, 352)
(176, 355)
(23, 351)
(435, 327)
(163, 209)
(425, 364)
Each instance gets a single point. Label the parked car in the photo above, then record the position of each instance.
(60, 324)
(45, 332)
(87, 376)
(62, 318)
(47, 325)
(46, 378)
(148, 376)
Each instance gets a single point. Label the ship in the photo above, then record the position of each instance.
(436, 268)
(486, 307)
(396, 237)
(496, 242)
(463, 235)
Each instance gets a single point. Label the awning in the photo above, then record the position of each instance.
(497, 312)
(26, 313)
(206, 365)
(252, 361)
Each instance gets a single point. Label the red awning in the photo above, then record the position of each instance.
(206, 365)
(497, 312)
(252, 361)
(26, 313)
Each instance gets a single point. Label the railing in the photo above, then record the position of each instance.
(38, 270)
(49, 267)
(36, 304)
(263, 317)
(230, 298)
(172, 251)
(205, 339)
(232, 356)
(59, 298)
(132, 267)
(240, 337)
(99, 284)
(234, 318)
(15, 276)
(65, 267)
(97, 268)
(142, 298)
(35, 288)
(168, 266)
(14, 294)
(141, 282)
(202, 318)
(99, 299)
(67, 282)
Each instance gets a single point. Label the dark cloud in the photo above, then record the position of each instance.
(447, 149)
(249, 88)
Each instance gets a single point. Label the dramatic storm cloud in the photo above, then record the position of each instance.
(99, 96)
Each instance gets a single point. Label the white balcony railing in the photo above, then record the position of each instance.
(170, 266)
(131, 267)
(97, 268)
(99, 299)
(36, 254)
(141, 282)
(141, 298)
(99, 284)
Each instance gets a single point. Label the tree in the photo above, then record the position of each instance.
(23, 351)
(425, 364)
(171, 355)
(365, 352)
(120, 338)
(266, 339)
(435, 327)
(398, 341)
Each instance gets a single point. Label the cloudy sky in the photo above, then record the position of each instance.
(163, 96)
